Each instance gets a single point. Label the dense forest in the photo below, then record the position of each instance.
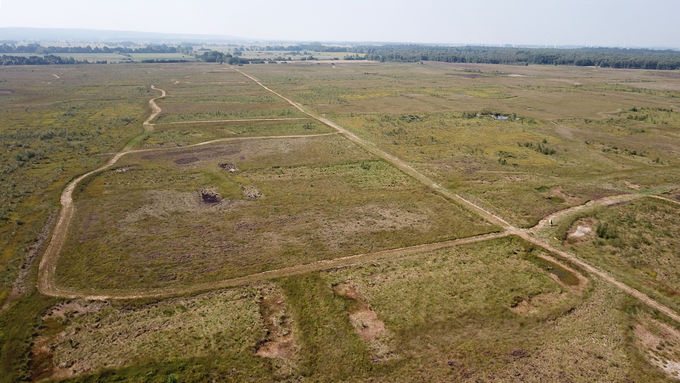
(603, 57)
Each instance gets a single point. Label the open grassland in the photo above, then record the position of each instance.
(427, 316)
(635, 241)
(281, 202)
(187, 132)
(560, 136)
(522, 142)
(220, 94)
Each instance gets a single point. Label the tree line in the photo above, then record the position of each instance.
(43, 50)
(220, 57)
(41, 60)
(603, 57)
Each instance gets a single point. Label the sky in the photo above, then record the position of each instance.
(628, 23)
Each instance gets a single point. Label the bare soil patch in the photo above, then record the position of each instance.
(631, 185)
(231, 168)
(280, 340)
(186, 160)
(42, 362)
(581, 230)
(366, 322)
(210, 196)
(161, 203)
(279, 343)
(661, 344)
(252, 192)
(536, 304)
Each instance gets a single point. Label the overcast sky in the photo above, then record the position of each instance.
(652, 23)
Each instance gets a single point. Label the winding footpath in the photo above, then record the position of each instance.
(48, 262)
(47, 267)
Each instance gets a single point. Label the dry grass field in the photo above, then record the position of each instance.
(239, 237)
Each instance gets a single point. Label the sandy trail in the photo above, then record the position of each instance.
(666, 199)
(605, 201)
(486, 214)
(48, 262)
(234, 120)
(155, 109)
(56, 76)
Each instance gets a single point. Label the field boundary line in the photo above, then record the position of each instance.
(234, 120)
(321, 265)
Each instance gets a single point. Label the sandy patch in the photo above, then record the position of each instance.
(662, 345)
(366, 322)
(631, 185)
(251, 192)
(279, 342)
(582, 230)
(534, 305)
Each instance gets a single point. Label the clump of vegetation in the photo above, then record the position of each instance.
(410, 118)
(605, 231)
(540, 147)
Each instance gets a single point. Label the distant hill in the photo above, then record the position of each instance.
(55, 35)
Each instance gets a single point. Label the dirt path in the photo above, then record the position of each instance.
(486, 214)
(155, 110)
(235, 120)
(48, 262)
(605, 201)
(666, 199)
